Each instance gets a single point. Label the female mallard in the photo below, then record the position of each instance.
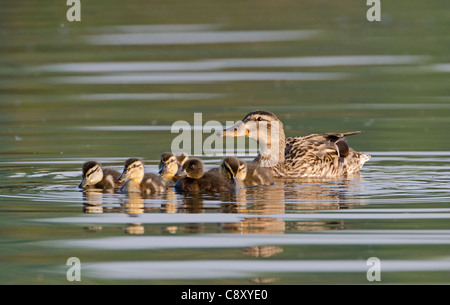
(170, 167)
(316, 155)
(241, 173)
(96, 177)
(137, 181)
(199, 181)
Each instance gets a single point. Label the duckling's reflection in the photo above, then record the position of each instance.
(133, 206)
(170, 206)
(92, 204)
(260, 200)
(92, 201)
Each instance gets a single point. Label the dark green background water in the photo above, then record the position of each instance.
(55, 116)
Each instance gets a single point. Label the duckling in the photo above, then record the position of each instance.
(234, 170)
(199, 181)
(96, 177)
(137, 181)
(257, 175)
(316, 155)
(170, 167)
(249, 173)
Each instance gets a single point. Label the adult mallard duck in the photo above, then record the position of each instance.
(94, 176)
(316, 155)
(137, 181)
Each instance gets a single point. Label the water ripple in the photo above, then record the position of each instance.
(204, 269)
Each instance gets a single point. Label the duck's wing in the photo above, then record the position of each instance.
(321, 155)
(328, 139)
(109, 180)
(300, 148)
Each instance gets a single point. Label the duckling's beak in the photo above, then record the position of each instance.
(124, 176)
(163, 169)
(238, 183)
(237, 130)
(84, 183)
(180, 171)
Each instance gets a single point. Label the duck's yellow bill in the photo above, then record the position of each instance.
(237, 130)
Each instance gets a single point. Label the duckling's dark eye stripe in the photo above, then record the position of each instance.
(92, 171)
(135, 165)
(229, 170)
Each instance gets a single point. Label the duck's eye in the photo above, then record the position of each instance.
(259, 118)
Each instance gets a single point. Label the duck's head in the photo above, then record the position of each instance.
(171, 165)
(168, 165)
(194, 168)
(264, 127)
(232, 168)
(92, 174)
(133, 169)
(260, 125)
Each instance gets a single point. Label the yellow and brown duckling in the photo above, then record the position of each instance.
(316, 155)
(245, 174)
(171, 167)
(137, 181)
(197, 180)
(94, 176)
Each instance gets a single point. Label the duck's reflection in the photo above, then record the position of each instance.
(92, 201)
(258, 205)
(133, 206)
(284, 197)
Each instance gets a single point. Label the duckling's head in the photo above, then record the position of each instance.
(168, 165)
(133, 169)
(194, 168)
(171, 165)
(234, 170)
(264, 127)
(92, 174)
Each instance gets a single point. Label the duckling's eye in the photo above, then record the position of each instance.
(259, 118)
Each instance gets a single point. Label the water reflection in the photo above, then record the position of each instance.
(286, 195)
(266, 222)
(227, 63)
(198, 37)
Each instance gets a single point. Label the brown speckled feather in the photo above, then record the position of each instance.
(319, 155)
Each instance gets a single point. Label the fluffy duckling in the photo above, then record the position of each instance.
(137, 181)
(243, 173)
(96, 177)
(171, 167)
(199, 181)
(234, 171)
